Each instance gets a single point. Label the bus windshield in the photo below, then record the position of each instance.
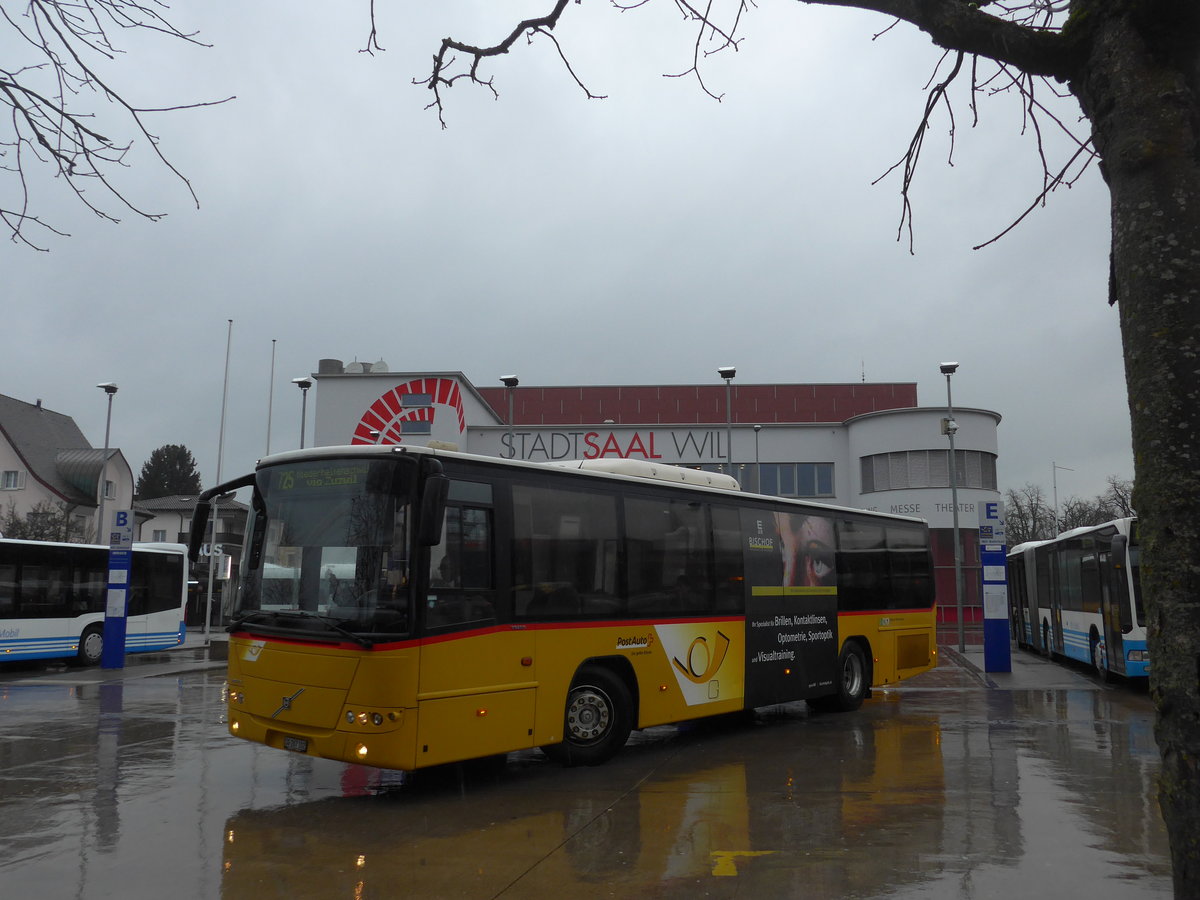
(333, 554)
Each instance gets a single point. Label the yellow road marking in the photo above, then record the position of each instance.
(724, 861)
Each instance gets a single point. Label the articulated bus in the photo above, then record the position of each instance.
(406, 607)
(1079, 597)
(53, 597)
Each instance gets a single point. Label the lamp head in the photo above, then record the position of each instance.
(949, 368)
(509, 381)
(303, 383)
(726, 371)
(108, 387)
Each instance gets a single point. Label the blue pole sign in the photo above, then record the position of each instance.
(997, 654)
(120, 562)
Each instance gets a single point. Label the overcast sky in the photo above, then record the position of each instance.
(646, 238)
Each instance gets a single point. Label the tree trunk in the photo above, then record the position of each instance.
(1140, 86)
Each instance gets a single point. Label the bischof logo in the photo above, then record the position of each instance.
(286, 703)
(702, 660)
(635, 643)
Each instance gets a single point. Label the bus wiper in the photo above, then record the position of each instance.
(329, 622)
(254, 615)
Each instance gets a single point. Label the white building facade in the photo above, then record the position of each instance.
(869, 446)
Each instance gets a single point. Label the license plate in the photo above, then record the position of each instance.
(298, 745)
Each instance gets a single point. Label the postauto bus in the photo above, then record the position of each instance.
(406, 607)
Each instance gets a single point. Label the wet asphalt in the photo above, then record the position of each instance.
(957, 784)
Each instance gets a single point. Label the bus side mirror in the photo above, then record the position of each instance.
(433, 510)
(200, 514)
(1120, 551)
(258, 533)
(199, 524)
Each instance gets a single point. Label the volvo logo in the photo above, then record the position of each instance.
(286, 705)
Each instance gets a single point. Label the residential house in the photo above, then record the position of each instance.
(47, 464)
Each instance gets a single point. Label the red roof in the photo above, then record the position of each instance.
(695, 404)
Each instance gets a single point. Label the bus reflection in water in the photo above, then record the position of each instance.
(406, 607)
(852, 823)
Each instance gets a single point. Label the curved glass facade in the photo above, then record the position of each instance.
(905, 469)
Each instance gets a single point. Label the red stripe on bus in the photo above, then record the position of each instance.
(534, 626)
(884, 612)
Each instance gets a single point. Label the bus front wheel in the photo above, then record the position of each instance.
(91, 646)
(1098, 660)
(851, 679)
(597, 721)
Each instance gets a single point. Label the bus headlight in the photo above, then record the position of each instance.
(364, 718)
(228, 695)
(1137, 656)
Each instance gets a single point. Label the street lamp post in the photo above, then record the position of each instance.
(757, 464)
(270, 396)
(1054, 467)
(727, 372)
(510, 382)
(304, 384)
(948, 369)
(111, 389)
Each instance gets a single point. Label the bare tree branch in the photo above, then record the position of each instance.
(439, 78)
(1024, 36)
(51, 120)
(913, 154)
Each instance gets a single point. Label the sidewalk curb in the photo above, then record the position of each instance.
(967, 666)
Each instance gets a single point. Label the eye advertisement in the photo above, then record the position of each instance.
(791, 605)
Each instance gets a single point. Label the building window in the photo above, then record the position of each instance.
(409, 426)
(907, 469)
(13, 480)
(110, 490)
(780, 479)
(160, 535)
(796, 479)
(410, 401)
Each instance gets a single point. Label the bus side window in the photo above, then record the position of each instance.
(862, 564)
(909, 564)
(729, 565)
(8, 590)
(564, 553)
(461, 568)
(667, 551)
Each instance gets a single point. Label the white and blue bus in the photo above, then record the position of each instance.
(1079, 597)
(52, 599)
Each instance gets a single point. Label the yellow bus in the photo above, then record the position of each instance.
(406, 607)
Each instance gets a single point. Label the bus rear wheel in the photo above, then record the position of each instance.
(851, 680)
(91, 646)
(597, 720)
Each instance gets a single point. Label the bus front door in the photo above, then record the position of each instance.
(1112, 597)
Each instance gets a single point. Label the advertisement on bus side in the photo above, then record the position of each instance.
(791, 606)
